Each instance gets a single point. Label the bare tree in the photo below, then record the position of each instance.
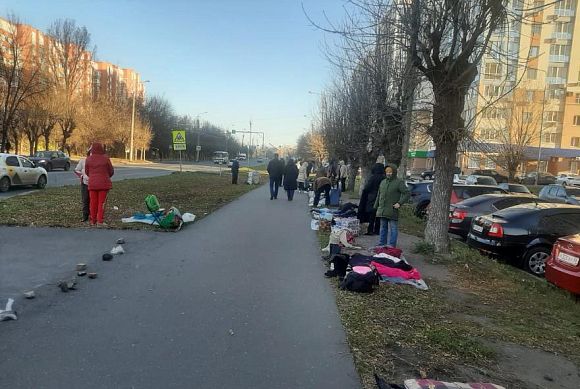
(69, 58)
(508, 127)
(19, 76)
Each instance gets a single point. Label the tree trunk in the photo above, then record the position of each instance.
(438, 221)
(353, 171)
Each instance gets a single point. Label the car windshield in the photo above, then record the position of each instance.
(42, 154)
(518, 189)
(573, 192)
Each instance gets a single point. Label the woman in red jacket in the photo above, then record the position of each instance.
(99, 169)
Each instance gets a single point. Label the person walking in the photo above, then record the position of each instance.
(235, 171)
(275, 171)
(290, 179)
(309, 168)
(322, 184)
(392, 194)
(99, 169)
(342, 173)
(366, 207)
(302, 177)
(80, 173)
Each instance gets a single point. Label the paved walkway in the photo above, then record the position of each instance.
(236, 300)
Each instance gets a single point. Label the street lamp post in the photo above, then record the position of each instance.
(131, 153)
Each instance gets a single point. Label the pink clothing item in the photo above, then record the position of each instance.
(395, 252)
(398, 273)
(361, 269)
(428, 384)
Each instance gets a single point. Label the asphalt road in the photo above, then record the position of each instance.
(237, 300)
(126, 171)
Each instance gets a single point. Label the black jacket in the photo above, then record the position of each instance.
(275, 168)
(371, 189)
(235, 166)
(291, 176)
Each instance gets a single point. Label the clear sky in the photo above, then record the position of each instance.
(235, 59)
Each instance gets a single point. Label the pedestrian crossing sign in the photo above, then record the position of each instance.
(178, 137)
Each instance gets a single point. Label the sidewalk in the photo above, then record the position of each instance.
(236, 300)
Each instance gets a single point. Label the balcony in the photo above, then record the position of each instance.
(564, 12)
(555, 80)
(559, 58)
(561, 35)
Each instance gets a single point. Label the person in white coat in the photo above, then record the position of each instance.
(80, 173)
(342, 174)
(302, 176)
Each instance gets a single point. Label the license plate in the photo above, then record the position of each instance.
(477, 228)
(568, 259)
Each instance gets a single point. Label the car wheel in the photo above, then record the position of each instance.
(48, 167)
(41, 183)
(4, 184)
(535, 260)
(421, 210)
(67, 167)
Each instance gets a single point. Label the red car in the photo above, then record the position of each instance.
(563, 267)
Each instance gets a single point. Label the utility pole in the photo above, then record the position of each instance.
(250, 148)
(541, 129)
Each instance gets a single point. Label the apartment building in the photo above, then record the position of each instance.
(98, 79)
(531, 68)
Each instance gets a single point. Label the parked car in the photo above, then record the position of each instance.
(543, 179)
(568, 179)
(51, 160)
(491, 173)
(19, 171)
(242, 156)
(428, 174)
(514, 188)
(560, 194)
(462, 213)
(260, 160)
(563, 266)
(525, 233)
(421, 194)
(480, 180)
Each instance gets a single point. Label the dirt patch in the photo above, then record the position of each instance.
(536, 369)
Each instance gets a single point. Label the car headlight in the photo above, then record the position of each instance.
(42, 161)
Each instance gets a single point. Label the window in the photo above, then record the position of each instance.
(493, 90)
(489, 134)
(473, 162)
(553, 116)
(564, 27)
(489, 164)
(492, 71)
(530, 95)
(532, 74)
(577, 98)
(555, 93)
(561, 224)
(534, 51)
(26, 163)
(494, 113)
(559, 50)
(577, 120)
(566, 4)
(12, 161)
(575, 142)
(536, 28)
(550, 137)
(554, 71)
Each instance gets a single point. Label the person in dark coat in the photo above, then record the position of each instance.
(235, 171)
(366, 207)
(99, 169)
(275, 171)
(290, 178)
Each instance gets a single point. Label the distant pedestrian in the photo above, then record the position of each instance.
(322, 184)
(275, 171)
(309, 168)
(302, 177)
(332, 173)
(392, 194)
(290, 179)
(99, 169)
(235, 171)
(80, 173)
(342, 173)
(366, 207)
